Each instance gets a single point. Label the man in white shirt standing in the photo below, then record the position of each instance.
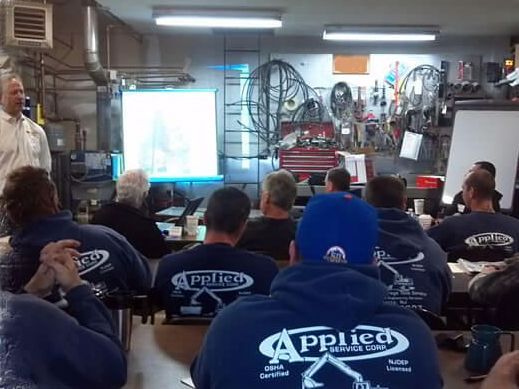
(22, 142)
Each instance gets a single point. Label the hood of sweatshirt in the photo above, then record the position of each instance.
(47, 229)
(400, 235)
(344, 295)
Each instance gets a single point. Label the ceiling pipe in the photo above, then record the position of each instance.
(91, 42)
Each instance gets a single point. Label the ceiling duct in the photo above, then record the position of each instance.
(91, 42)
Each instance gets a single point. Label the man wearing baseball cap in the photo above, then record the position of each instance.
(325, 323)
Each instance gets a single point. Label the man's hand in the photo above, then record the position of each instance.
(59, 256)
(490, 268)
(505, 373)
(41, 282)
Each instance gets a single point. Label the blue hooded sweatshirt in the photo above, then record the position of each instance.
(203, 280)
(108, 262)
(323, 324)
(49, 349)
(412, 265)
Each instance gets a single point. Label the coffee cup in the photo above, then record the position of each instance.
(419, 206)
(485, 348)
(425, 221)
(191, 225)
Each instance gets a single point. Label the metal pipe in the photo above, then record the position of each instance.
(32, 63)
(159, 76)
(42, 75)
(91, 39)
(55, 94)
(151, 71)
(137, 36)
(78, 134)
(149, 67)
(108, 38)
(61, 62)
(63, 89)
(37, 82)
(51, 71)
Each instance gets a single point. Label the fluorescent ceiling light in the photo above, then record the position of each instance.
(206, 21)
(350, 36)
(379, 34)
(217, 18)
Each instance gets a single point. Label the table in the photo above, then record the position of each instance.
(460, 307)
(460, 279)
(160, 357)
(453, 371)
(176, 243)
(177, 211)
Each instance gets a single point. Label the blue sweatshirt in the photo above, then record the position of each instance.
(323, 324)
(49, 349)
(412, 265)
(478, 229)
(203, 280)
(108, 262)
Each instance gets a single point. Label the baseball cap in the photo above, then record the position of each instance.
(338, 228)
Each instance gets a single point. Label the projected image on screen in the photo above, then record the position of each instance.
(171, 134)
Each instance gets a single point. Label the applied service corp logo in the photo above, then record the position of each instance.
(309, 343)
(214, 280)
(489, 239)
(91, 260)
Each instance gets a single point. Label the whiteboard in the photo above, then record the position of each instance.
(484, 135)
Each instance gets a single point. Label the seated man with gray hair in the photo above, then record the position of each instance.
(272, 233)
(125, 215)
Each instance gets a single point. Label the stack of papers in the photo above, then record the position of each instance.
(477, 267)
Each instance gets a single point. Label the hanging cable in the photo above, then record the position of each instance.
(266, 90)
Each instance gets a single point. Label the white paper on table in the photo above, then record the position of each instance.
(477, 267)
(188, 382)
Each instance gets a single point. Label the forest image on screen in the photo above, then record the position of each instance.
(171, 134)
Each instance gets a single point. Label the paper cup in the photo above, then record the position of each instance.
(419, 206)
(191, 225)
(425, 221)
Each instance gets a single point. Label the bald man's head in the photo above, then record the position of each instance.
(12, 94)
(478, 185)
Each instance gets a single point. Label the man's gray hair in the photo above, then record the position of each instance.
(132, 187)
(281, 187)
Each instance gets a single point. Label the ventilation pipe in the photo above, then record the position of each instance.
(91, 41)
(99, 75)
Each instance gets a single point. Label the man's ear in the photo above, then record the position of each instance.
(470, 192)
(328, 186)
(293, 253)
(266, 197)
